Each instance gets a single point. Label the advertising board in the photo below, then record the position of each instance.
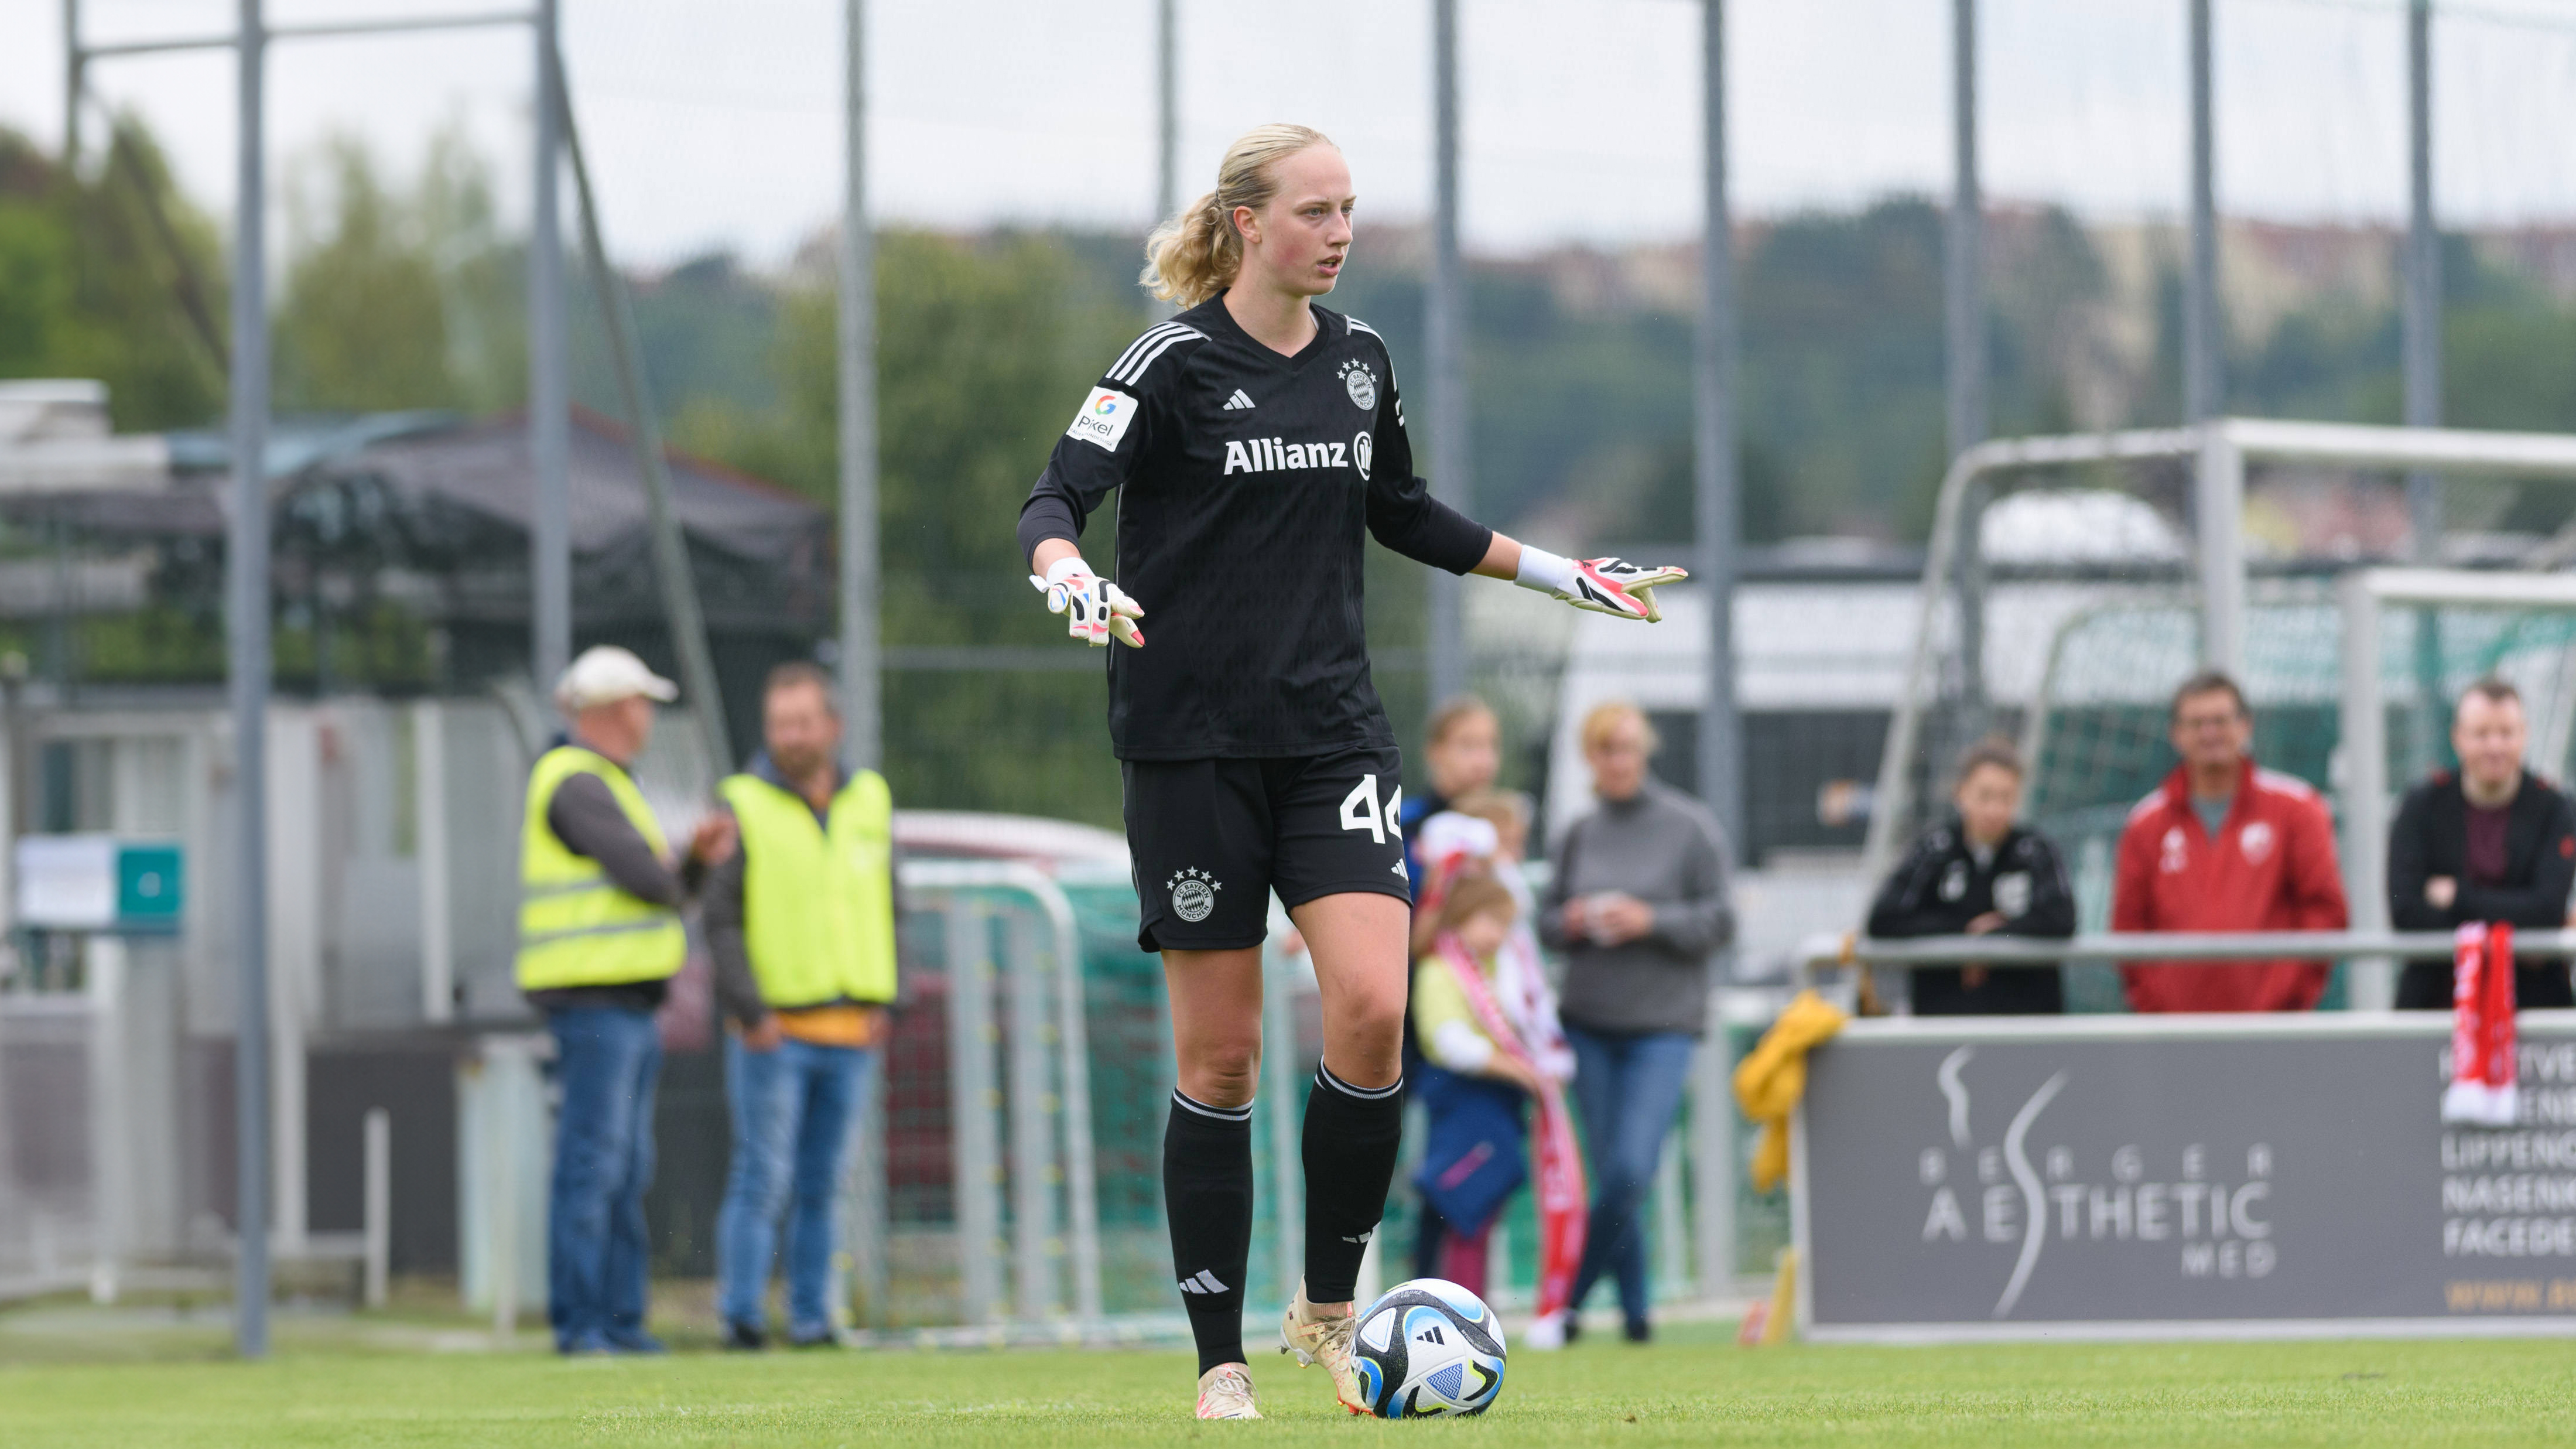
(2179, 1176)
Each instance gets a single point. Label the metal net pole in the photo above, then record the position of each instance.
(246, 588)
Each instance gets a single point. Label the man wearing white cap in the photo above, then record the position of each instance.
(599, 936)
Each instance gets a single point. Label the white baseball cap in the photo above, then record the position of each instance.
(605, 674)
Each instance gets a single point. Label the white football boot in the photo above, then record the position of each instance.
(1325, 1341)
(1225, 1392)
(1545, 1334)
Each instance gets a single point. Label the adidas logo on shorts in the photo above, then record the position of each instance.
(1237, 402)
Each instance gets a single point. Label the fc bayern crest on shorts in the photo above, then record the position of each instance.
(1193, 894)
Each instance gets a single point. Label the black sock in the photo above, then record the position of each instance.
(1350, 1143)
(1207, 1197)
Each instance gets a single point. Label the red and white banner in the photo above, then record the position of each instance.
(1563, 1213)
(2483, 1090)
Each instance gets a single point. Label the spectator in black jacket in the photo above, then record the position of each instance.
(2492, 842)
(1976, 874)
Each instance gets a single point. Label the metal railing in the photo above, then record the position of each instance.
(2183, 948)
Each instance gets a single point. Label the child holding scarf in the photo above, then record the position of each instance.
(1486, 1025)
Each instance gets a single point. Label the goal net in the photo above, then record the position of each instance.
(2072, 645)
(2096, 734)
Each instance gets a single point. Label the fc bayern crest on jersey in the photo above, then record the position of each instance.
(1193, 894)
(1361, 384)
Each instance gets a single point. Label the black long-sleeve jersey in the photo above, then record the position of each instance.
(1251, 480)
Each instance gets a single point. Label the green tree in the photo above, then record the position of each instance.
(984, 348)
(110, 275)
(362, 325)
(36, 319)
(482, 274)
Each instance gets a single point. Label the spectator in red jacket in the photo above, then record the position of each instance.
(2223, 846)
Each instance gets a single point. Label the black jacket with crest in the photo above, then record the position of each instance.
(2431, 838)
(1941, 886)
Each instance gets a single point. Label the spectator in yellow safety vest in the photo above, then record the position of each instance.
(802, 924)
(599, 936)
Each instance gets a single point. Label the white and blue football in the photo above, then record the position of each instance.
(1429, 1347)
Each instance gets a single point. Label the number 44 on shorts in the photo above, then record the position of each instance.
(1360, 810)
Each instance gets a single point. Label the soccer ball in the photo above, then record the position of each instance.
(1429, 1347)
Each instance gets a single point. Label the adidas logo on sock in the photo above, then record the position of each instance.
(1202, 1282)
(1238, 401)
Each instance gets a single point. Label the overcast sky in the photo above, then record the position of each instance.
(714, 123)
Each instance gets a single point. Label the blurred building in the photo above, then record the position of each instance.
(397, 748)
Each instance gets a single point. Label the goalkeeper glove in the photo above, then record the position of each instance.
(1603, 585)
(1094, 608)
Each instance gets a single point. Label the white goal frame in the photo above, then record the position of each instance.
(2220, 450)
(2362, 723)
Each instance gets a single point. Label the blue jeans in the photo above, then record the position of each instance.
(606, 1061)
(1628, 1088)
(792, 1110)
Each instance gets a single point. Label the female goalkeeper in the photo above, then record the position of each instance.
(1258, 438)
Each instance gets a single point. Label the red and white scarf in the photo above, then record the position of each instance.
(2484, 1091)
(1562, 1214)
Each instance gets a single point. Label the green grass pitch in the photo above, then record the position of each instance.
(1694, 1388)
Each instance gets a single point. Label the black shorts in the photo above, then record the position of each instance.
(1211, 839)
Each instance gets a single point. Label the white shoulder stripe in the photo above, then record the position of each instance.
(2146, 806)
(2286, 784)
(1359, 326)
(1136, 370)
(1151, 335)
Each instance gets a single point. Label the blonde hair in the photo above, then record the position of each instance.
(1477, 896)
(1604, 718)
(1193, 256)
(1454, 711)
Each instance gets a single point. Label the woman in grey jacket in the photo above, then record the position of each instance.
(1636, 905)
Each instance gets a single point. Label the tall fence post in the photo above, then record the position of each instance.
(2364, 734)
(549, 385)
(1081, 1176)
(1279, 1063)
(111, 1117)
(437, 881)
(975, 1153)
(246, 588)
(861, 687)
(379, 1210)
(1716, 505)
(864, 1223)
(2219, 492)
(2204, 362)
(1034, 1244)
(1452, 480)
(1712, 1159)
(1672, 1217)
